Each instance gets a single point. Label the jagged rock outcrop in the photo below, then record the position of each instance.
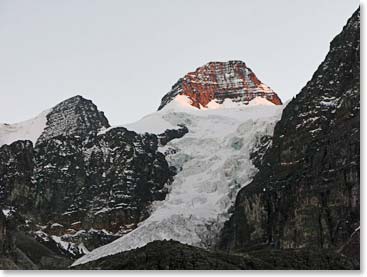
(306, 193)
(79, 178)
(219, 81)
(75, 116)
(171, 134)
(172, 255)
(104, 182)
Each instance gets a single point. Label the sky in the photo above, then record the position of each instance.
(126, 55)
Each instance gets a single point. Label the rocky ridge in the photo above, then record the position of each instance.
(75, 116)
(306, 193)
(220, 81)
(81, 184)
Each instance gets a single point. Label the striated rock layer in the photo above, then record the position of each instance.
(306, 194)
(74, 116)
(218, 81)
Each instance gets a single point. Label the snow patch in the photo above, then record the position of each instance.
(57, 225)
(26, 130)
(260, 101)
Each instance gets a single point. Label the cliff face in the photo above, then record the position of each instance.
(104, 182)
(16, 171)
(306, 193)
(20, 251)
(75, 116)
(74, 179)
(219, 81)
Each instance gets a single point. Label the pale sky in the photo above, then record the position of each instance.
(125, 55)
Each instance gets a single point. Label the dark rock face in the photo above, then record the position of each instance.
(219, 81)
(37, 256)
(172, 255)
(75, 179)
(104, 182)
(20, 251)
(75, 116)
(16, 171)
(306, 194)
(352, 247)
(171, 134)
(7, 245)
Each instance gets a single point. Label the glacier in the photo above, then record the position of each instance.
(213, 164)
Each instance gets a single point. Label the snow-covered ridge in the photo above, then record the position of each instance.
(213, 162)
(73, 116)
(156, 123)
(27, 130)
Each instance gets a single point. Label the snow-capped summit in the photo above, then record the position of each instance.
(218, 83)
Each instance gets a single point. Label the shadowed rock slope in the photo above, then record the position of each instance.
(80, 179)
(172, 255)
(82, 186)
(306, 193)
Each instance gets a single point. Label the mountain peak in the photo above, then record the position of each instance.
(74, 116)
(217, 81)
(75, 100)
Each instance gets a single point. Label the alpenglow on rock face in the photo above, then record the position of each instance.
(218, 81)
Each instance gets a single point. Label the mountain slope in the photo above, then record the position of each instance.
(209, 160)
(172, 255)
(204, 170)
(81, 185)
(26, 130)
(306, 193)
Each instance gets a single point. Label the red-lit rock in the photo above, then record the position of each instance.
(219, 81)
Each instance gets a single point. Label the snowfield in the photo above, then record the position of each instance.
(26, 130)
(213, 162)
